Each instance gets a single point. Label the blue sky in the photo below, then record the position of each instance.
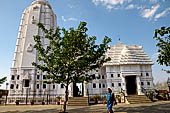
(133, 21)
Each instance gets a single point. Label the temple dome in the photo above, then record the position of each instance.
(42, 2)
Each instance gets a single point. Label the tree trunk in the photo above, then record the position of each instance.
(65, 99)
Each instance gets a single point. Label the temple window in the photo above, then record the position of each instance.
(93, 76)
(94, 85)
(103, 85)
(119, 84)
(12, 86)
(38, 86)
(102, 76)
(148, 83)
(111, 75)
(12, 77)
(38, 77)
(112, 84)
(44, 86)
(99, 85)
(99, 76)
(62, 85)
(27, 82)
(18, 77)
(147, 74)
(33, 20)
(35, 8)
(44, 77)
(142, 83)
(17, 86)
(54, 86)
(118, 75)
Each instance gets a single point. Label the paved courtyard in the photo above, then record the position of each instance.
(158, 107)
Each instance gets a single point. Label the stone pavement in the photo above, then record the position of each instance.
(158, 107)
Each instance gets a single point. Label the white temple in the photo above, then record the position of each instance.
(129, 70)
(25, 79)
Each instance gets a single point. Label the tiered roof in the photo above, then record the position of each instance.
(127, 54)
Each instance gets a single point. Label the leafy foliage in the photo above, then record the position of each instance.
(2, 80)
(70, 55)
(163, 37)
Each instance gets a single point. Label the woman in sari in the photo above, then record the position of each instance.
(109, 100)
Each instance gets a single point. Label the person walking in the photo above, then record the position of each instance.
(109, 100)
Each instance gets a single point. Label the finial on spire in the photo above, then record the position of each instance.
(119, 42)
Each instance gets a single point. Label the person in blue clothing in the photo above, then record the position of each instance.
(109, 100)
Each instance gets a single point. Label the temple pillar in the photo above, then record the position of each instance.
(124, 85)
(85, 89)
(138, 83)
(71, 90)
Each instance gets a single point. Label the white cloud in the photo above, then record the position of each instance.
(149, 13)
(163, 13)
(154, 1)
(96, 2)
(131, 6)
(147, 9)
(140, 7)
(109, 7)
(68, 19)
(110, 2)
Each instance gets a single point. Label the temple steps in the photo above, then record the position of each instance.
(138, 99)
(78, 101)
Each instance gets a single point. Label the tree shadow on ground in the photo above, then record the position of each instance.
(90, 109)
(161, 108)
(35, 111)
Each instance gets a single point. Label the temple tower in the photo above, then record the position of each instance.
(25, 79)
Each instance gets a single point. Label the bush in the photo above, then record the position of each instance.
(151, 95)
(96, 98)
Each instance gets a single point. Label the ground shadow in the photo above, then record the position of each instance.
(161, 108)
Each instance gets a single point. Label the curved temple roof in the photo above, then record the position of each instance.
(127, 54)
(43, 2)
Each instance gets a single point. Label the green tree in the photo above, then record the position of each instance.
(163, 37)
(2, 80)
(70, 55)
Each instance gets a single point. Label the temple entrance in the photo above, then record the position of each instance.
(78, 90)
(131, 86)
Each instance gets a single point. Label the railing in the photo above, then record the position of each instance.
(37, 98)
(2, 101)
(100, 98)
(144, 91)
(150, 93)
